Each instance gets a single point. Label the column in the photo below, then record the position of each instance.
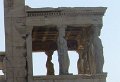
(49, 64)
(62, 51)
(29, 56)
(89, 58)
(15, 30)
(98, 49)
(86, 62)
(80, 63)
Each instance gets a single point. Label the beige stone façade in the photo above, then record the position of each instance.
(46, 30)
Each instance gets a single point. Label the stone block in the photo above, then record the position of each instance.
(9, 73)
(9, 50)
(1, 65)
(16, 61)
(10, 80)
(96, 80)
(2, 80)
(20, 79)
(102, 80)
(20, 72)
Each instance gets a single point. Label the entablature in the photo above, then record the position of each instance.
(65, 16)
(67, 11)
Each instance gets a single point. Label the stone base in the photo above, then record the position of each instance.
(2, 78)
(68, 78)
(72, 78)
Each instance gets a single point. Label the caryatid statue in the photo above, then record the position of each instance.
(98, 50)
(91, 57)
(49, 64)
(63, 57)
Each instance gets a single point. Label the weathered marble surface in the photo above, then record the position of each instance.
(2, 55)
(2, 78)
(63, 57)
(19, 24)
(49, 64)
(72, 78)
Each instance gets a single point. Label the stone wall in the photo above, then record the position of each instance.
(72, 78)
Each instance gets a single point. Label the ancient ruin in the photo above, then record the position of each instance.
(46, 30)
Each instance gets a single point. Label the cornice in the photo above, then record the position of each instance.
(68, 11)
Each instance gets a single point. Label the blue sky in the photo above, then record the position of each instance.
(109, 34)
